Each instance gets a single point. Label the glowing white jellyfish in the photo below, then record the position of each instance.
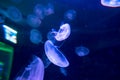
(49, 9)
(33, 20)
(82, 51)
(35, 36)
(54, 55)
(14, 14)
(39, 11)
(63, 33)
(111, 3)
(34, 71)
(70, 15)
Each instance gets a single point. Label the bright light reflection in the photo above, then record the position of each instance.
(54, 55)
(34, 71)
(63, 33)
(111, 3)
(82, 51)
(35, 36)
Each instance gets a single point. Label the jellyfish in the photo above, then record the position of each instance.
(111, 3)
(35, 36)
(82, 51)
(55, 55)
(34, 71)
(63, 71)
(70, 15)
(49, 9)
(33, 21)
(14, 14)
(63, 33)
(39, 11)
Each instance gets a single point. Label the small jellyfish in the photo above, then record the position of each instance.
(33, 21)
(14, 14)
(49, 9)
(54, 55)
(34, 71)
(82, 51)
(63, 33)
(39, 11)
(111, 3)
(35, 36)
(70, 15)
(63, 71)
(51, 35)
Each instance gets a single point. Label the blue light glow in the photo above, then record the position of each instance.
(10, 34)
(82, 51)
(111, 3)
(54, 55)
(70, 15)
(63, 33)
(33, 21)
(14, 14)
(63, 71)
(34, 71)
(39, 11)
(35, 36)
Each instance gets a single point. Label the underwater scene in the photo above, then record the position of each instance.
(59, 39)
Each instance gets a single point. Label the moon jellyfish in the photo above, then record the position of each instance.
(34, 71)
(54, 55)
(49, 9)
(63, 33)
(39, 11)
(82, 51)
(70, 15)
(111, 3)
(33, 21)
(63, 71)
(35, 36)
(14, 14)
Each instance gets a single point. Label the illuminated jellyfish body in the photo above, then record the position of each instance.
(39, 11)
(54, 55)
(63, 33)
(49, 9)
(34, 71)
(35, 36)
(14, 14)
(33, 21)
(111, 3)
(70, 15)
(82, 51)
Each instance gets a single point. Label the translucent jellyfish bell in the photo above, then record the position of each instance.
(33, 21)
(70, 15)
(63, 33)
(111, 3)
(39, 11)
(35, 36)
(54, 55)
(49, 9)
(14, 13)
(34, 71)
(82, 51)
